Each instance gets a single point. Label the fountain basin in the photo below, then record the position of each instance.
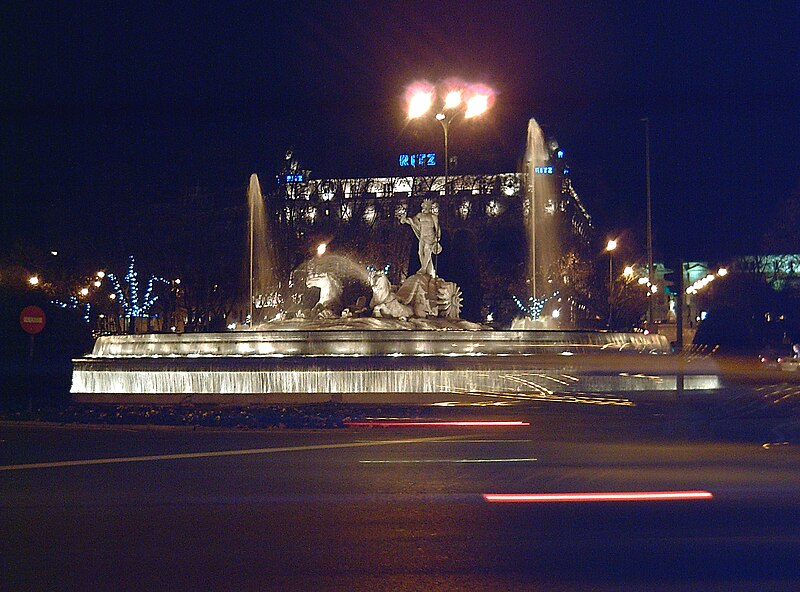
(378, 366)
(386, 342)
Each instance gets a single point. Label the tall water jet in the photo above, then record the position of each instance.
(542, 229)
(262, 258)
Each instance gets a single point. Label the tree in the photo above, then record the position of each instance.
(629, 300)
(783, 236)
(744, 312)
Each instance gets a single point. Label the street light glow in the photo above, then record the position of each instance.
(628, 271)
(722, 272)
(321, 248)
(612, 244)
(419, 104)
(101, 274)
(453, 99)
(477, 105)
(33, 280)
(84, 291)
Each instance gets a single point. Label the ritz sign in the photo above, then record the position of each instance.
(423, 159)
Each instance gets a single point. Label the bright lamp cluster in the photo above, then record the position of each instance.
(450, 95)
(704, 281)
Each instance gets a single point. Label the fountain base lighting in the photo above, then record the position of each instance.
(413, 366)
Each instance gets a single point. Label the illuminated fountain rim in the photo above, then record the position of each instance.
(372, 343)
(402, 367)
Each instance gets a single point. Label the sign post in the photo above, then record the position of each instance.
(32, 320)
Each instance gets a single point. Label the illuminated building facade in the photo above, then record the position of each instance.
(482, 216)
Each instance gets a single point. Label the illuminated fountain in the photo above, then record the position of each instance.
(541, 230)
(261, 248)
(543, 243)
(396, 344)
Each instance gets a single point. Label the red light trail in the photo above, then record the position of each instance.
(619, 496)
(405, 424)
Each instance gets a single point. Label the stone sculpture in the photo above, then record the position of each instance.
(330, 294)
(426, 228)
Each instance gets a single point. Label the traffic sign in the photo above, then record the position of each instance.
(32, 319)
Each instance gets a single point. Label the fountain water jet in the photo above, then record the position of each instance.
(262, 256)
(543, 243)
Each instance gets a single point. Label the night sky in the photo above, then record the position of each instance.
(108, 108)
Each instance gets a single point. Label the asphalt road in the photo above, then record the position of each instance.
(396, 508)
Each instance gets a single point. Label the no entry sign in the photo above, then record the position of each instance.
(32, 319)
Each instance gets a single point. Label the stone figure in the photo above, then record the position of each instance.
(419, 296)
(330, 294)
(426, 227)
(384, 302)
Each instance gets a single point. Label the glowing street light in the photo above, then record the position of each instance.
(453, 99)
(321, 248)
(471, 100)
(610, 247)
(419, 104)
(628, 271)
(84, 291)
(477, 105)
(33, 280)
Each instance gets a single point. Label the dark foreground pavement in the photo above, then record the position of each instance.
(402, 508)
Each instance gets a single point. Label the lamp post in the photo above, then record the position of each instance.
(612, 244)
(454, 99)
(446, 121)
(646, 121)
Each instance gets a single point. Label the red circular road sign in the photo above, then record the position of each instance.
(32, 319)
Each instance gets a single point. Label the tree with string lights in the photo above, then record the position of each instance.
(133, 304)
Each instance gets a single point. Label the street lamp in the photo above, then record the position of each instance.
(455, 98)
(650, 277)
(612, 244)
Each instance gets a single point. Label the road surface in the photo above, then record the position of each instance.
(398, 508)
